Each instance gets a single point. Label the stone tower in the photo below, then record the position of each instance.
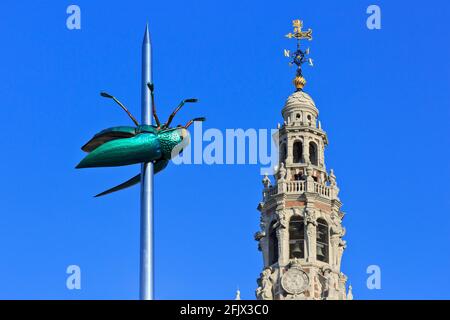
(301, 218)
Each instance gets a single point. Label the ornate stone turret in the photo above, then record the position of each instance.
(301, 234)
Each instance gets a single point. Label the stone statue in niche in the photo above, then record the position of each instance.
(266, 181)
(317, 285)
(337, 243)
(342, 279)
(341, 247)
(329, 285)
(310, 216)
(332, 178)
(282, 218)
(334, 242)
(282, 173)
(262, 233)
(336, 226)
(259, 235)
(264, 291)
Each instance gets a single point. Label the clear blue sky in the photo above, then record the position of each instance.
(384, 102)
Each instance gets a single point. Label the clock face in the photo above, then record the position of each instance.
(295, 281)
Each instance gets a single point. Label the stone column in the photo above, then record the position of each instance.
(283, 244)
(306, 149)
(309, 179)
(289, 147)
(265, 222)
(310, 235)
(281, 217)
(265, 249)
(321, 151)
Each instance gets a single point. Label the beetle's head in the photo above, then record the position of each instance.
(173, 141)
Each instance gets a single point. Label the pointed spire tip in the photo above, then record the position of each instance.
(146, 34)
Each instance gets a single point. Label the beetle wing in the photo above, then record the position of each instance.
(108, 135)
(144, 147)
(129, 183)
(158, 167)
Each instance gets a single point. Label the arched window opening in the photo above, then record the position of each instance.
(296, 238)
(313, 153)
(283, 152)
(322, 240)
(298, 151)
(273, 244)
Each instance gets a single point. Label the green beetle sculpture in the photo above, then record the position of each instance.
(126, 145)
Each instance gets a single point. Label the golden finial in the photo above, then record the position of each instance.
(299, 56)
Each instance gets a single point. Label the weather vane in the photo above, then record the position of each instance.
(299, 56)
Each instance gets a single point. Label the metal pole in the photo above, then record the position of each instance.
(146, 263)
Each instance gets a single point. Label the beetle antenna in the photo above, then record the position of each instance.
(201, 119)
(151, 87)
(169, 121)
(107, 95)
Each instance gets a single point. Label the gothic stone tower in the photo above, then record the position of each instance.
(301, 218)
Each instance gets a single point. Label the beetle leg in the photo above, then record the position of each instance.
(172, 115)
(151, 87)
(194, 120)
(107, 95)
